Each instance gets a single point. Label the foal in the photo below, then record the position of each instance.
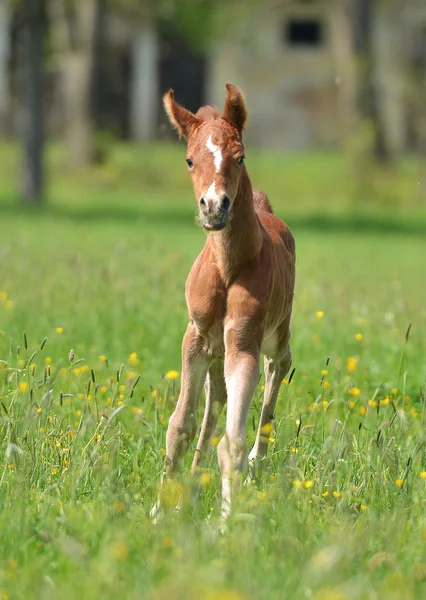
(239, 294)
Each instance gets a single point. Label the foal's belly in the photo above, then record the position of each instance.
(215, 343)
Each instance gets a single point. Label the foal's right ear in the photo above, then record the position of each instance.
(181, 118)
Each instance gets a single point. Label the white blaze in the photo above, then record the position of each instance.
(217, 153)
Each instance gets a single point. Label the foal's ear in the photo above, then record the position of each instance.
(235, 111)
(181, 118)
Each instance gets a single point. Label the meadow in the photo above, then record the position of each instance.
(92, 312)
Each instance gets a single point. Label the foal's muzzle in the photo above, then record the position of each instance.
(214, 213)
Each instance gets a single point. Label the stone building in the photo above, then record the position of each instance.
(294, 59)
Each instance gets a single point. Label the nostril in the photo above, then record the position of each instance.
(226, 203)
(202, 201)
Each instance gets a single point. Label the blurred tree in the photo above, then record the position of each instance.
(364, 13)
(33, 117)
(4, 58)
(73, 28)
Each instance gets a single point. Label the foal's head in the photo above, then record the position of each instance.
(215, 155)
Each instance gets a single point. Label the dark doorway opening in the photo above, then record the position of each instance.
(184, 70)
(304, 32)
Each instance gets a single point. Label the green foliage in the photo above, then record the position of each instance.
(338, 512)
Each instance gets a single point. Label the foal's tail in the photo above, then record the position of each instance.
(261, 202)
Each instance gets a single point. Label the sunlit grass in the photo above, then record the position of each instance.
(92, 313)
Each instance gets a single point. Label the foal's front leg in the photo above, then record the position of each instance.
(241, 375)
(182, 424)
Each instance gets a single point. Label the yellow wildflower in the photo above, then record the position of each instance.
(42, 430)
(372, 403)
(294, 450)
(22, 386)
(394, 391)
(205, 479)
(358, 337)
(120, 403)
(76, 371)
(324, 494)
(3, 296)
(119, 506)
(215, 440)
(102, 358)
(297, 484)
(319, 314)
(8, 304)
(363, 507)
(399, 483)
(362, 411)
(171, 375)
(119, 550)
(136, 410)
(354, 391)
(308, 484)
(54, 471)
(133, 359)
(59, 330)
(39, 409)
(337, 494)
(103, 389)
(266, 429)
(11, 466)
(385, 401)
(422, 474)
(324, 403)
(47, 360)
(325, 384)
(351, 364)
(168, 542)
(352, 404)
(324, 372)
(84, 368)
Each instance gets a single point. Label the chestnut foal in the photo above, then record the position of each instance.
(239, 294)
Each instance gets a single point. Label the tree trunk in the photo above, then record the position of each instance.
(344, 65)
(364, 19)
(145, 84)
(33, 121)
(4, 57)
(78, 85)
(74, 45)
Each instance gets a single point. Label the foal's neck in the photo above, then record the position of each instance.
(241, 240)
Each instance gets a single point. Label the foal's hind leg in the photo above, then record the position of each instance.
(215, 401)
(275, 371)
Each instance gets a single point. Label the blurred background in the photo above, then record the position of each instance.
(332, 76)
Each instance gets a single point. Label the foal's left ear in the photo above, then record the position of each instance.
(235, 111)
(181, 118)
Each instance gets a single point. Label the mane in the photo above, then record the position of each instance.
(209, 113)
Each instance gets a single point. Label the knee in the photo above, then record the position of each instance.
(181, 431)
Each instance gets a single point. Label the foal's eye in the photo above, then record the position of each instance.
(189, 163)
(240, 161)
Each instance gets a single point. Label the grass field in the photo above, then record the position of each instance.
(340, 510)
